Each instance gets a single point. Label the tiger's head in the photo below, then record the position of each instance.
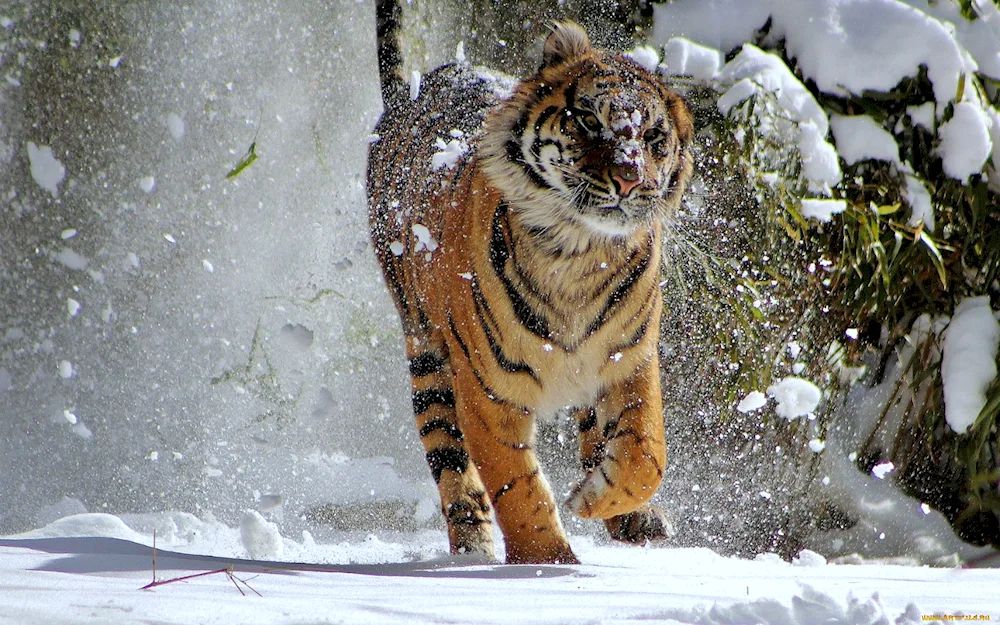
(592, 145)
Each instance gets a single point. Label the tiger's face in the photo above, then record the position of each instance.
(592, 145)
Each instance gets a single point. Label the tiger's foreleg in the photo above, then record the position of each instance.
(645, 523)
(623, 449)
(500, 439)
(464, 502)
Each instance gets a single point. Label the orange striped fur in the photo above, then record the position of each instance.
(519, 228)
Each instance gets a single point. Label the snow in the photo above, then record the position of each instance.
(919, 198)
(836, 47)
(71, 259)
(73, 307)
(822, 209)
(425, 241)
(260, 537)
(965, 141)
(147, 183)
(65, 369)
(753, 70)
(922, 115)
(768, 72)
(969, 358)
(449, 153)
(645, 56)
(850, 47)
(859, 138)
(753, 401)
(833, 43)
(414, 85)
(796, 397)
(46, 169)
(92, 567)
(175, 125)
(683, 57)
(883, 469)
(720, 24)
(819, 159)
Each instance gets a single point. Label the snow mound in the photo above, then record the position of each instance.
(807, 608)
(87, 524)
(755, 71)
(968, 364)
(683, 57)
(645, 56)
(834, 44)
(965, 141)
(260, 537)
(860, 138)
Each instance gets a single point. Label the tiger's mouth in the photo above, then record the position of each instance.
(618, 217)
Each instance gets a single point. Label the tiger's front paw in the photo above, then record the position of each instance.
(642, 525)
(597, 497)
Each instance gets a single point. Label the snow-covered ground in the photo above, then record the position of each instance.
(92, 569)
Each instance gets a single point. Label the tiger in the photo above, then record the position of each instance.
(519, 228)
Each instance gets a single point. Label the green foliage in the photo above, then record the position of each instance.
(887, 270)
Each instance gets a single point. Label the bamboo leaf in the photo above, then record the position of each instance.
(247, 160)
(936, 258)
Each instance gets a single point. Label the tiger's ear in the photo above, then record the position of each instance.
(566, 42)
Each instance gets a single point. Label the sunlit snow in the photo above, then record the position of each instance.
(796, 397)
(968, 363)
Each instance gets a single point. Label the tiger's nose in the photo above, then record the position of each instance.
(626, 178)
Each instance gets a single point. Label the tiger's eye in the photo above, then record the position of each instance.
(652, 136)
(589, 121)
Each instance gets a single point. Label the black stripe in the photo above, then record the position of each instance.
(426, 364)
(543, 91)
(607, 479)
(499, 254)
(464, 512)
(516, 155)
(637, 336)
(447, 458)
(622, 290)
(483, 307)
(489, 392)
(595, 459)
(612, 426)
(510, 485)
(544, 116)
(422, 400)
(440, 425)
(587, 423)
(505, 363)
(570, 94)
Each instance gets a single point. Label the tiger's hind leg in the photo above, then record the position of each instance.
(464, 502)
(622, 450)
